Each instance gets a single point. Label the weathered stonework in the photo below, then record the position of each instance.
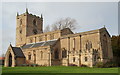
(61, 47)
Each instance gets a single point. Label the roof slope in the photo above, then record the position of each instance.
(18, 52)
(33, 45)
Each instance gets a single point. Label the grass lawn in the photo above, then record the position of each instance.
(58, 69)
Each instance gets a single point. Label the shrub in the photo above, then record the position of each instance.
(106, 65)
(110, 64)
(99, 65)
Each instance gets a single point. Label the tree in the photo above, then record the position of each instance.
(116, 45)
(116, 48)
(47, 29)
(64, 23)
(54, 28)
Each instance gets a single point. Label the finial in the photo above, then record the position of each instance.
(104, 26)
(10, 44)
(17, 14)
(41, 16)
(26, 10)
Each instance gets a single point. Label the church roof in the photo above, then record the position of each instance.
(18, 52)
(33, 45)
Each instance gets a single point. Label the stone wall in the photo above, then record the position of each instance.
(105, 39)
(48, 36)
(21, 29)
(75, 45)
(20, 61)
(39, 55)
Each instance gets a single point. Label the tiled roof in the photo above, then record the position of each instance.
(45, 43)
(18, 52)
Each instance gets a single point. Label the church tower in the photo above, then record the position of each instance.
(27, 25)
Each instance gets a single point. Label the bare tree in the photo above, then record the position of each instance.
(64, 23)
(54, 27)
(47, 29)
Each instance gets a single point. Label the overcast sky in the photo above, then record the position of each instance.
(89, 16)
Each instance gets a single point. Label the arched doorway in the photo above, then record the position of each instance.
(10, 60)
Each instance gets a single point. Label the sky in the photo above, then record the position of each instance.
(89, 16)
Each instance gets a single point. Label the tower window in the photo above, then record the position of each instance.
(20, 21)
(34, 22)
(34, 31)
(21, 31)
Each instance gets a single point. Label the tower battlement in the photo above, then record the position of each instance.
(30, 14)
(27, 25)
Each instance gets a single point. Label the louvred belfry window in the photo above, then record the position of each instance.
(34, 22)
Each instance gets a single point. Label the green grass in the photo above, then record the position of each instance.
(58, 69)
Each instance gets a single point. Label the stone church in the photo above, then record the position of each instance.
(60, 47)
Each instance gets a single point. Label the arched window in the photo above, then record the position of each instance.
(29, 56)
(56, 56)
(88, 45)
(73, 59)
(105, 45)
(20, 21)
(86, 59)
(64, 53)
(34, 22)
